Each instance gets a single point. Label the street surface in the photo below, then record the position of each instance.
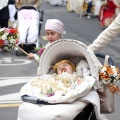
(15, 71)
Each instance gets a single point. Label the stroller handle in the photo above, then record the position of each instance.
(28, 7)
(42, 13)
(101, 55)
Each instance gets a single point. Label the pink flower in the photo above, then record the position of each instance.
(40, 51)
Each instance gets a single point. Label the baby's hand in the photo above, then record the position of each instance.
(30, 56)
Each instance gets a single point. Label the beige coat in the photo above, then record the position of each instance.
(107, 35)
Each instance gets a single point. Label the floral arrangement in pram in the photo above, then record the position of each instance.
(8, 38)
(109, 75)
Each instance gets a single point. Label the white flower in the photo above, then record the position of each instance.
(103, 70)
(9, 36)
(109, 74)
(2, 29)
(4, 37)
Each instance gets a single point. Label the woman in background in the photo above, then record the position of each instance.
(98, 4)
(107, 13)
(4, 12)
(117, 10)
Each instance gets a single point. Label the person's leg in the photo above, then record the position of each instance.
(0, 19)
(0, 22)
(4, 23)
(89, 9)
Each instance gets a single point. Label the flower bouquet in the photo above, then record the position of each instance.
(109, 75)
(8, 38)
(40, 50)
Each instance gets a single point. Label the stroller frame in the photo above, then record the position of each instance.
(30, 46)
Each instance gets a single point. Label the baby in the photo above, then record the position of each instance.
(65, 78)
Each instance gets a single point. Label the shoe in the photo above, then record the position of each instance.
(88, 17)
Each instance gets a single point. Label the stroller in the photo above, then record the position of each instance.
(85, 108)
(29, 25)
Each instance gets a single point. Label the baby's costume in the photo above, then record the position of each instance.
(58, 88)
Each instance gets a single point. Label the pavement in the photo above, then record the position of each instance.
(11, 99)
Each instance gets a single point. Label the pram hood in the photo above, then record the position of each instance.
(68, 49)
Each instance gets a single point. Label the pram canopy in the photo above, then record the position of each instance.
(68, 49)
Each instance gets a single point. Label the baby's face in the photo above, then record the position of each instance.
(64, 67)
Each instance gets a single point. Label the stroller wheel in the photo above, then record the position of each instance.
(17, 53)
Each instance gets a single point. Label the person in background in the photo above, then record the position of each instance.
(117, 10)
(54, 29)
(4, 12)
(35, 3)
(98, 4)
(79, 7)
(107, 35)
(107, 13)
(89, 8)
(12, 12)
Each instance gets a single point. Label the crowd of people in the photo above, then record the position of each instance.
(9, 8)
(104, 10)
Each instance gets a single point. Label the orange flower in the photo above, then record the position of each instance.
(109, 70)
(117, 69)
(104, 76)
(110, 75)
(114, 89)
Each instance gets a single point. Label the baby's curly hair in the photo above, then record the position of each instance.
(64, 61)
